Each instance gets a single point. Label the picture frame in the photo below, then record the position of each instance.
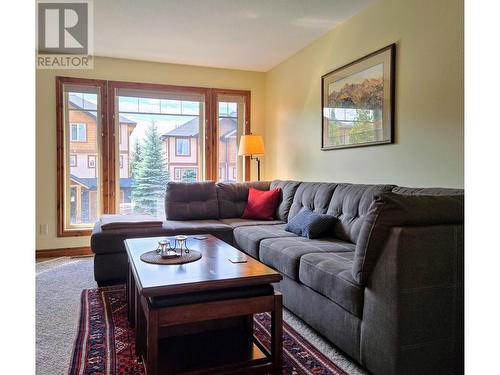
(357, 102)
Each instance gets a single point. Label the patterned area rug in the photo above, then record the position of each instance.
(105, 343)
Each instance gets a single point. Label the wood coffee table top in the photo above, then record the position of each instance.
(213, 271)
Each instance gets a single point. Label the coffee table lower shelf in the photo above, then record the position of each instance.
(213, 352)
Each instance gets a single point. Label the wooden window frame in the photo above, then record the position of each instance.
(62, 231)
(214, 123)
(108, 167)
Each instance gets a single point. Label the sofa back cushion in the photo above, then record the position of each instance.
(315, 196)
(233, 197)
(288, 189)
(349, 204)
(397, 210)
(191, 201)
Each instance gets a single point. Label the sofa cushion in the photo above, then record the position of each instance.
(233, 197)
(390, 210)
(350, 203)
(240, 222)
(284, 254)
(262, 204)
(330, 275)
(310, 224)
(288, 189)
(191, 201)
(247, 238)
(112, 241)
(315, 196)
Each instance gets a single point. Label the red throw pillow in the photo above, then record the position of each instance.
(262, 204)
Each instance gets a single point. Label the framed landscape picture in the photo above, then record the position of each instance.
(357, 102)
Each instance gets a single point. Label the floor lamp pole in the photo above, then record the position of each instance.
(258, 167)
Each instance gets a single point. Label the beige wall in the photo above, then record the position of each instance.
(429, 99)
(125, 70)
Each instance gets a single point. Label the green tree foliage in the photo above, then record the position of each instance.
(363, 130)
(150, 174)
(189, 175)
(135, 158)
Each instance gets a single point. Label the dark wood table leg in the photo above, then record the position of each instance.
(152, 342)
(277, 334)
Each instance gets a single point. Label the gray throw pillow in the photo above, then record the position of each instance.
(310, 224)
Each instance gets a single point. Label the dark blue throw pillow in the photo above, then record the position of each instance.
(310, 224)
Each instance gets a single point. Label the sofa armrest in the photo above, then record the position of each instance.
(413, 304)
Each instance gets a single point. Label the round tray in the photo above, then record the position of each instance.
(155, 258)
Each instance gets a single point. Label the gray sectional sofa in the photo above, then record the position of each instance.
(385, 284)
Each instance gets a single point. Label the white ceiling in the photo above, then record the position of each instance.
(239, 34)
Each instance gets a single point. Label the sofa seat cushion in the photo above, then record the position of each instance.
(330, 274)
(284, 254)
(248, 238)
(112, 241)
(240, 222)
(195, 226)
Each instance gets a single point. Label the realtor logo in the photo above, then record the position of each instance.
(65, 34)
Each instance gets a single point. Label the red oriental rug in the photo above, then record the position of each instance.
(105, 342)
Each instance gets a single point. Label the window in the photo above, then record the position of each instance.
(182, 147)
(78, 132)
(78, 184)
(186, 174)
(181, 126)
(91, 161)
(232, 115)
(177, 173)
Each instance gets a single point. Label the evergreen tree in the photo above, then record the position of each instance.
(150, 175)
(189, 175)
(135, 159)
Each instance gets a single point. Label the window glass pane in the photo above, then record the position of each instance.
(229, 129)
(223, 110)
(128, 104)
(171, 106)
(147, 105)
(81, 128)
(161, 143)
(232, 109)
(182, 145)
(190, 108)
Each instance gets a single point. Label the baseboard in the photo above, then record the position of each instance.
(63, 252)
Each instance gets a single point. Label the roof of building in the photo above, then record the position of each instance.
(227, 126)
(80, 103)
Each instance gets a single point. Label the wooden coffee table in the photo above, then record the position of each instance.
(202, 336)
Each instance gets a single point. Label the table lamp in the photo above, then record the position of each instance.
(251, 145)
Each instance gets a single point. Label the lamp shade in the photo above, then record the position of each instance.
(251, 145)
